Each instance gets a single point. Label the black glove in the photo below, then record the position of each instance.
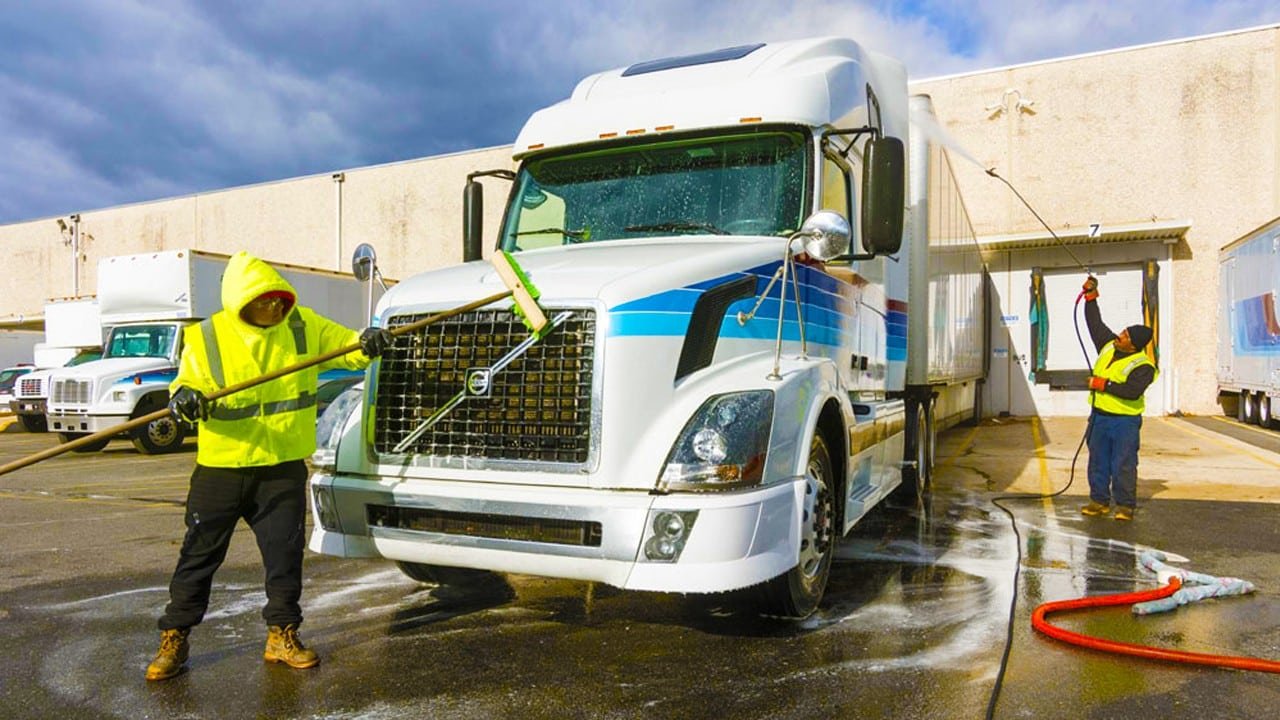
(375, 340)
(1090, 288)
(190, 405)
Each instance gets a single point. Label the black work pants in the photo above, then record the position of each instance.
(273, 501)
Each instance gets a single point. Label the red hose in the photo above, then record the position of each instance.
(1144, 651)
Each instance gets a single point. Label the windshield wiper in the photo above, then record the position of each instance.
(575, 235)
(678, 226)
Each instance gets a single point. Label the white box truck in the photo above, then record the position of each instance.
(144, 302)
(72, 335)
(1249, 324)
(704, 415)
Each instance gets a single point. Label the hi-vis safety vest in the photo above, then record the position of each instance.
(270, 423)
(1118, 372)
(274, 422)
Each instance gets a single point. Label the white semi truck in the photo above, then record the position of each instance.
(72, 335)
(711, 409)
(1249, 324)
(144, 302)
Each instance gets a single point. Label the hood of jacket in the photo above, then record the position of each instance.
(247, 278)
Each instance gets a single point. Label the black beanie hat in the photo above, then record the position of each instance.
(1139, 335)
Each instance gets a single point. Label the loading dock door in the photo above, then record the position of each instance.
(1120, 289)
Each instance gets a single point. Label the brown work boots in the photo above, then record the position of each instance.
(172, 654)
(284, 645)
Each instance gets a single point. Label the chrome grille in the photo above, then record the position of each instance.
(538, 408)
(71, 392)
(30, 387)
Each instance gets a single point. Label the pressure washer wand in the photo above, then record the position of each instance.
(518, 286)
(1076, 260)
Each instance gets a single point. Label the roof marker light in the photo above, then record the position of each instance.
(749, 120)
(537, 146)
(637, 131)
(664, 128)
(608, 135)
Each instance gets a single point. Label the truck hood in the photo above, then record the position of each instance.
(613, 272)
(112, 367)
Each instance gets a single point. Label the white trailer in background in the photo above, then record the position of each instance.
(687, 425)
(1249, 324)
(144, 302)
(72, 335)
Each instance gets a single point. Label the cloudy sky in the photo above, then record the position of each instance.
(104, 102)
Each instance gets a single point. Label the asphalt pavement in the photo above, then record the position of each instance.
(913, 625)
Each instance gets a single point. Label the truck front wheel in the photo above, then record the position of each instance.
(163, 435)
(443, 575)
(796, 593)
(34, 423)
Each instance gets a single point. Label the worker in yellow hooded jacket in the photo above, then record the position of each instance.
(252, 446)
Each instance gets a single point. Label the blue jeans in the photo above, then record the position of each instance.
(1113, 458)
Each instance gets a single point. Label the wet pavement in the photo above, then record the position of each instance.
(913, 624)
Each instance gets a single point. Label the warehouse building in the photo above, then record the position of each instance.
(1142, 162)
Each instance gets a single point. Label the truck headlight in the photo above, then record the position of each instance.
(723, 446)
(331, 424)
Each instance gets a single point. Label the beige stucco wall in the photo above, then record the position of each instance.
(1182, 130)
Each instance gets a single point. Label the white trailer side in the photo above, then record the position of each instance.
(1249, 324)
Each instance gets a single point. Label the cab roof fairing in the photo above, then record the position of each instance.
(815, 83)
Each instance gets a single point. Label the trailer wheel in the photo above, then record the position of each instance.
(1264, 410)
(1244, 412)
(34, 423)
(797, 592)
(95, 446)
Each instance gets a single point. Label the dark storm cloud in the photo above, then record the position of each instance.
(104, 103)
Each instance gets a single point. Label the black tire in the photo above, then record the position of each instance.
(1244, 412)
(164, 435)
(34, 423)
(443, 575)
(797, 592)
(1264, 410)
(917, 477)
(95, 446)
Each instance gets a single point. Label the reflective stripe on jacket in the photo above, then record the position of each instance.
(1117, 371)
(274, 422)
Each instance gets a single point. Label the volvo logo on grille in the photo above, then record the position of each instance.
(478, 382)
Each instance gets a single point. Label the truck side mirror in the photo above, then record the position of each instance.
(363, 261)
(825, 235)
(472, 220)
(883, 195)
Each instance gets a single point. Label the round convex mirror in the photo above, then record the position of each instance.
(825, 235)
(363, 261)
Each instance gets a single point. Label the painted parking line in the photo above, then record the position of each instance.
(1235, 446)
(1244, 426)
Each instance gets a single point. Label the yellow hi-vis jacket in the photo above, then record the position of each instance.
(274, 422)
(1118, 372)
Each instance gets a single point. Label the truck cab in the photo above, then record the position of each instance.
(131, 379)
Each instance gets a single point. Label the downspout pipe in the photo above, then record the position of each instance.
(75, 255)
(338, 179)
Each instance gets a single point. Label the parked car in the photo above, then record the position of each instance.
(8, 377)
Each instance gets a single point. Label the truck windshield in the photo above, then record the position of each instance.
(140, 341)
(746, 184)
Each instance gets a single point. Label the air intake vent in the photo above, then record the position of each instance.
(537, 409)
